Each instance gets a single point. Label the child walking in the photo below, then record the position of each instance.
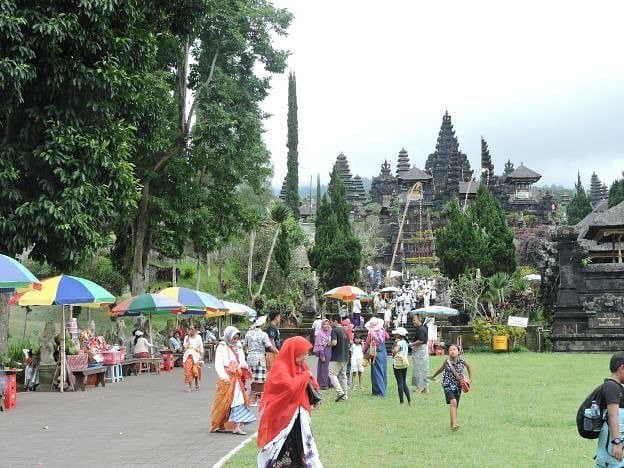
(357, 356)
(400, 363)
(450, 383)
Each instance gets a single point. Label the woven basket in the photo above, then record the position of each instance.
(78, 362)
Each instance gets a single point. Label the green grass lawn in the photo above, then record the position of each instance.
(520, 413)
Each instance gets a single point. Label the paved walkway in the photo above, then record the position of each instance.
(146, 421)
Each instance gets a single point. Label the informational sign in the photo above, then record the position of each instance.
(609, 320)
(518, 321)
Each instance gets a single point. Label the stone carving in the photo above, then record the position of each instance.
(605, 311)
(120, 331)
(309, 306)
(47, 343)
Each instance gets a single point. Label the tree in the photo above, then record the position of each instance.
(580, 205)
(292, 175)
(498, 252)
(230, 42)
(318, 193)
(616, 192)
(458, 244)
(336, 255)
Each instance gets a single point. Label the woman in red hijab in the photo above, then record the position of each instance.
(284, 432)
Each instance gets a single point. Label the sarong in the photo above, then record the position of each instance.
(420, 369)
(192, 370)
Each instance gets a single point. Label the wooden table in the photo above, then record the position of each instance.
(81, 376)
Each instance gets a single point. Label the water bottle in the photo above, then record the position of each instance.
(596, 416)
(588, 420)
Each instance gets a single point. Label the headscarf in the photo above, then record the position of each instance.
(229, 333)
(285, 389)
(322, 338)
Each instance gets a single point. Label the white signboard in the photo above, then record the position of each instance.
(518, 321)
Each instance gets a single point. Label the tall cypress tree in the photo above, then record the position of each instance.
(616, 192)
(292, 175)
(579, 206)
(337, 253)
(318, 192)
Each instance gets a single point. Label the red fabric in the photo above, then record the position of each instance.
(285, 389)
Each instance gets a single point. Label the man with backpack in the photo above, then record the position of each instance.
(610, 396)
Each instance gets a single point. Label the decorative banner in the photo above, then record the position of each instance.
(518, 321)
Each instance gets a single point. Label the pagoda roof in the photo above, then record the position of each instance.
(604, 225)
(524, 173)
(414, 174)
(469, 187)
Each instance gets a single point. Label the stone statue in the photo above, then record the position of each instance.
(309, 305)
(47, 343)
(121, 334)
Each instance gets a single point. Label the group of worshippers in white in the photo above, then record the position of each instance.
(395, 307)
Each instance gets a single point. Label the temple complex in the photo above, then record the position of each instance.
(590, 296)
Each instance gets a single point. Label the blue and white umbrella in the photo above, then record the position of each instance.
(436, 310)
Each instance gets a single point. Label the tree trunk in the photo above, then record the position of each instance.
(252, 243)
(174, 276)
(266, 266)
(5, 313)
(27, 311)
(138, 247)
(198, 273)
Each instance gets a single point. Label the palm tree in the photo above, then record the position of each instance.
(279, 214)
(499, 283)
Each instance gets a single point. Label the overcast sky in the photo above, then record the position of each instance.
(541, 81)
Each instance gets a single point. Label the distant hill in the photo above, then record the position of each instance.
(304, 190)
(557, 190)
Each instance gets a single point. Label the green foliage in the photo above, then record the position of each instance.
(283, 251)
(336, 255)
(498, 253)
(482, 332)
(292, 175)
(188, 271)
(616, 192)
(580, 205)
(100, 269)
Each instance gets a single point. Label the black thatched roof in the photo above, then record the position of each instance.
(613, 218)
(414, 174)
(523, 172)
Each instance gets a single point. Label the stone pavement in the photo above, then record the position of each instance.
(145, 421)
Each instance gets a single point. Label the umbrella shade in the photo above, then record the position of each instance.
(15, 275)
(345, 293)
(532, 277)
(65, 290)
(394, 274)
(195, 302)
(439, 310)
(234, 308)
(214, 313)
(390, 289)
(147, 303)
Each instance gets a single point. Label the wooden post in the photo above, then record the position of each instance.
(396, 244)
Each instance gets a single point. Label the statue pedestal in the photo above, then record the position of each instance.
(46, 374)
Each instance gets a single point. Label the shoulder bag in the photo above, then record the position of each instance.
(400, 361)
(463, 383)
(314, 395)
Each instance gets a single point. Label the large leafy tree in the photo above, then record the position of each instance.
(458, 243)
(498, 253)
(580, 205)
(230, 43)
(337, 253)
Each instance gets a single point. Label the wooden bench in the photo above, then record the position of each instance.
(81, 376)
(130, 366)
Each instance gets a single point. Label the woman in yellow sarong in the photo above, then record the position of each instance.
(192, 359)
(231, 402)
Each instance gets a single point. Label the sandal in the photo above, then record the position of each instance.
(221, 430)
(239, 432)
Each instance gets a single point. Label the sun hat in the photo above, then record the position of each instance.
(260, 321)
(374, 324)
(400, 331)
(138, 333)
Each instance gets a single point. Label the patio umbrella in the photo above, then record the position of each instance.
(390, 289)
(436, 310)
(15, 275)
(532, 277)
(147, 303)
(345, 293)
(64, 290)
(234, 308)
(195, 302)
(394, 274)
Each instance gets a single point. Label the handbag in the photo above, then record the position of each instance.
(314, 395)
(400, 361)
(463, 383)
(371, 352)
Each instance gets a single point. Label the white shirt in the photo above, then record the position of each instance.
(142, 346)
(194, 347)
(357, 307)
(316, 325)
(223, 357)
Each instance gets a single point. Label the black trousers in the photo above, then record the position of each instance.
(401, 376)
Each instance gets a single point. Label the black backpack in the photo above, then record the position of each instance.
(598, 396)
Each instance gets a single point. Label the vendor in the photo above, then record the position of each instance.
(174, 342)
(142, 347)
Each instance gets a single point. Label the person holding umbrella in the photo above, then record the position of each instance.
(420, 354)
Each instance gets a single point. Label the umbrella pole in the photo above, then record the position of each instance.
(62, 353)
(150, 333)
